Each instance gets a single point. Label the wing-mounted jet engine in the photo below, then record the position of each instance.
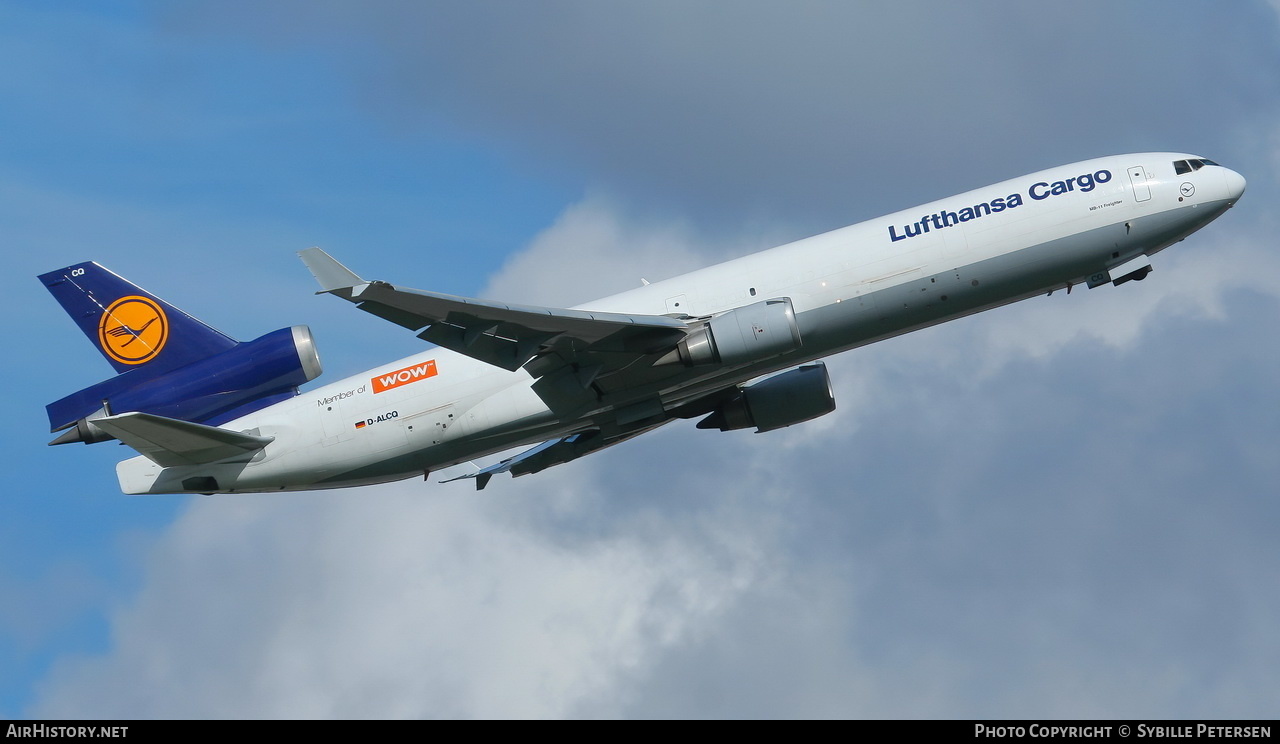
(750, 333)
(793, 397)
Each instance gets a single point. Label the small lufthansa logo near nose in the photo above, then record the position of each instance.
(1188, 189)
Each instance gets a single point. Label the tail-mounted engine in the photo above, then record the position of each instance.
(226, 385)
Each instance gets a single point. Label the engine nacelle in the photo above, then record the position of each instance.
(792, 397)
(745, 334)
(245, 378)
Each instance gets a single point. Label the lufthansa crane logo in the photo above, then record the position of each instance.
(133, 330)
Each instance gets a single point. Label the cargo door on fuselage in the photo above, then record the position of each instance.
(1138, 178)
(334, 422)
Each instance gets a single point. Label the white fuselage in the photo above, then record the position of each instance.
(849, 287)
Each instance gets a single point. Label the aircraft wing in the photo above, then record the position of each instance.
(170, 442)
(554, 452)
(507, 336)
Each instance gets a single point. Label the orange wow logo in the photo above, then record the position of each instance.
(383, 383)
(133, 330)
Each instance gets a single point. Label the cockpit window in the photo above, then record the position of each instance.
(1186, 166)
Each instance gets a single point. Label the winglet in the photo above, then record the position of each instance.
(331, 274)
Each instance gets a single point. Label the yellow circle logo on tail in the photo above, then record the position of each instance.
(133, 330)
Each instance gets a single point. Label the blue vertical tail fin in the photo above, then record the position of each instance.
(131, 327)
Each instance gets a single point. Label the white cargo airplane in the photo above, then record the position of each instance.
(209, 414)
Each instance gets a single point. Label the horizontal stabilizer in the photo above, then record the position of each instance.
(169, 442)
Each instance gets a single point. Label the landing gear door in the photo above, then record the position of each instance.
(1138, 178)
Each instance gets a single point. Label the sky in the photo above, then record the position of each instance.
(1063, 508)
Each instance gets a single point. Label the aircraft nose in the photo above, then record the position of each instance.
(1235, 184)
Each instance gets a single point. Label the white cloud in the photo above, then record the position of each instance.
(403, 601)
(593, 251)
